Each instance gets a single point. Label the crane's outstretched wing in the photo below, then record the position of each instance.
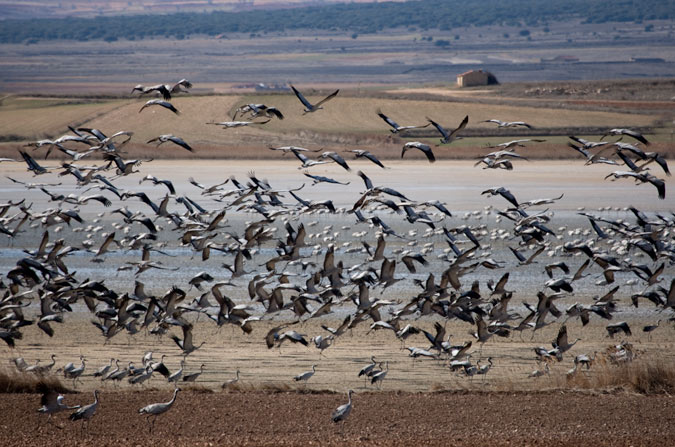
(302, 99)
(327, 98)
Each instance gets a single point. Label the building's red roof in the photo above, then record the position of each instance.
(470, 71)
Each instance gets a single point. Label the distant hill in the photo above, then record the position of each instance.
(360, 18)
(34, 9)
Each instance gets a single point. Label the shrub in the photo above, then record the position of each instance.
(646, 377)
(16, 382)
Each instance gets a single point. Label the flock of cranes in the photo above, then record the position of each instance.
(311, 275)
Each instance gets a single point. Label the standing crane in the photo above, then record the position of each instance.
(157, 409)
(379, 377)
(86, 413)
(340, 414)
(306, 375)
(192, 377)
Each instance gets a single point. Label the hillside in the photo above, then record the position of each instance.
(351, 121)
(352, 17)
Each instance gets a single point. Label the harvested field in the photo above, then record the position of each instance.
(550, 418)
(349, 121)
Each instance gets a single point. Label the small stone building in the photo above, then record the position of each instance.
(476, 77)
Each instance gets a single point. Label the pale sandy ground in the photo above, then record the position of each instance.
(456, 183)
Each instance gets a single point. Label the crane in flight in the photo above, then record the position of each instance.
(360, 153)
(159, 102)
(501, 123)
(233, 124)
(449, 137)
(309, 107)
(395, 127)
(425, 148)
(52, 402)
(628, 132)
(168, 137)
(164, 89)
(256, 110)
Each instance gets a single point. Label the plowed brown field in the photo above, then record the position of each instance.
(383, 418)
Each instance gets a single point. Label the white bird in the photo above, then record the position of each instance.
(309, 107)
(341, 412)
(157, 409)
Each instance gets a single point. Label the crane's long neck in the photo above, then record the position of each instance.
(173, 399)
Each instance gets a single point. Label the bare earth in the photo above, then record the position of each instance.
(385, 418)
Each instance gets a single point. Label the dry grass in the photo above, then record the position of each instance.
(36, 118)
(16, 382)
(273, 388)
(345, 120)
(640, 376)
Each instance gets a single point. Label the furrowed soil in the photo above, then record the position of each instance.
(384, 418)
